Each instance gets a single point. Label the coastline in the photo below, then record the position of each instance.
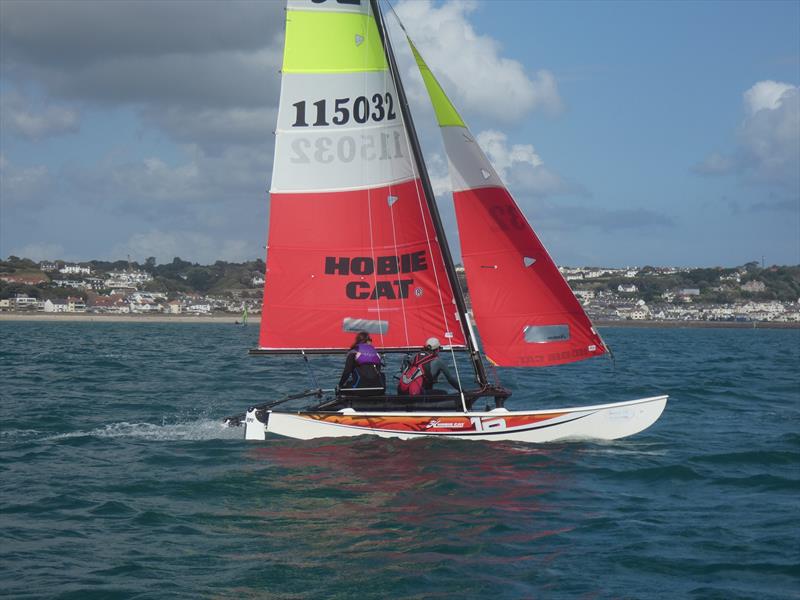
(231, 319)
(102, 318)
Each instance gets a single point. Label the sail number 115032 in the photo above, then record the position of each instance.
(380, 107)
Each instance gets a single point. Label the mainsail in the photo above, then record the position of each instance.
(526, 312)
(351, 243)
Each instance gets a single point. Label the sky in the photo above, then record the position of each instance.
(630, 133)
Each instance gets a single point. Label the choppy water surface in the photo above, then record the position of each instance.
(118, 481)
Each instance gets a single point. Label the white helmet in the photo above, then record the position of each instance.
(432, 343)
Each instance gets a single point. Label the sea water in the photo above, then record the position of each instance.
(118, 480)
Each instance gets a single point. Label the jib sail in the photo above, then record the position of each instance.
(526, 312)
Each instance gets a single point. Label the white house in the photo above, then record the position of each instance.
(200, 309)
(56, 306)
(75, 270)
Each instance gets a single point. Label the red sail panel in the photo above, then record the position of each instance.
(526, 312)
(341, 262)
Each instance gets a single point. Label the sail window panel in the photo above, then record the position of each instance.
(542, 334)
(372, 326)
(326, 42)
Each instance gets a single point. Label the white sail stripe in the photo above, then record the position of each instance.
(344, 156)
(469, 167)
(341, 158)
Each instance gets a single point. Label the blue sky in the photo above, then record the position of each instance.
(631, 133)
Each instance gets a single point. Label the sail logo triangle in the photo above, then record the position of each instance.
(528, 261)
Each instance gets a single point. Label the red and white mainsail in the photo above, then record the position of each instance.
(526, 312)
(351, 243)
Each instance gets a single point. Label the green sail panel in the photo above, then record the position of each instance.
(446, 113)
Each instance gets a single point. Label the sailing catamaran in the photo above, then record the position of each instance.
(356, 243)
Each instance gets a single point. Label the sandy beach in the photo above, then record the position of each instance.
(256, 319)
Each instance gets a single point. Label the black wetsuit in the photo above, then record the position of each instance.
(360, 376)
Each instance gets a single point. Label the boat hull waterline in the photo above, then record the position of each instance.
(599, 422)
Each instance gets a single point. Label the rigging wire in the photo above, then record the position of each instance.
(310, 371)
(420, 195)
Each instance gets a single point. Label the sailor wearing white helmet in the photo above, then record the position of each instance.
(435, 367)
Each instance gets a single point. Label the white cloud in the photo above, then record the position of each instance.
(768, 139)
(522, 169)
(196, 188)
(715, 164)
(216, 129)
(770, 135)
(766, 95)
(59, 33)
(470, 66)
(504, 157)
(35, 120)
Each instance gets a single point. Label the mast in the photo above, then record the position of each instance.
(427, 188)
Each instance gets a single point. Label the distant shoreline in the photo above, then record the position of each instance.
(256, 319)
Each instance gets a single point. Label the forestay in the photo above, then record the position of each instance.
(351, 244)
(526, 312)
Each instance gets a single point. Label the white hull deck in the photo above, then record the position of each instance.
(599, 422)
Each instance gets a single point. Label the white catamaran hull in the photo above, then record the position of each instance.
(600, 422)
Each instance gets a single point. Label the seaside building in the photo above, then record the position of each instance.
(75, 270)
(25, 302)
(64, 305)
(114, 303)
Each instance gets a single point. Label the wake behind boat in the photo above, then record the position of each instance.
(356, 244)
